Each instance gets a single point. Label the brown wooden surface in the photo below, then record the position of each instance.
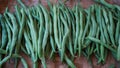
(79, 62)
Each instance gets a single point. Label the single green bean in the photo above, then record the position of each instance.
(55, 26)
(4, 34)
(69, 62)
(100, 42)
(118, 50)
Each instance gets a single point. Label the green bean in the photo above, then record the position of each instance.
(84, 53)
(24, 63)
(33, 11)
(97, 36)
(18, 16)
(103, 39)
(87, 50)
(72, 24)
(70, 46)
(73, 33)
(105, 55)
(100, 20)
(93, 28)
(91, 49)
(22, 5)
(102, 49)
(4, 34)
(62, 31)
(4, 60)
(117, 32)
(65, 37)
(9, 37)
(99, 60)
(32, 31)
(93, 21)
(105, 3)
(52, 44)
(118, 50)
(104, 26)
(0, 60)
(50, 29)
(60, 24)
(35, 65)
(77, 28)
(43, 62)
(46, 26)
(59, 28)
(40, 33)
(100, 42)
(118, 7)
(55, 26)
(48, 49)
(27, 48)
(97, 47)
(8, 21)
(69, 62)
(68, 16)
(81, 31)
(86, 27)
(23, 50)
(74, 28)
(87, 42)
(51, 54)
(105, 15)
(34, 59)
(28, 41)
(110, 29)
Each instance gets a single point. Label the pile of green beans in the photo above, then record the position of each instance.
(41, 33)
